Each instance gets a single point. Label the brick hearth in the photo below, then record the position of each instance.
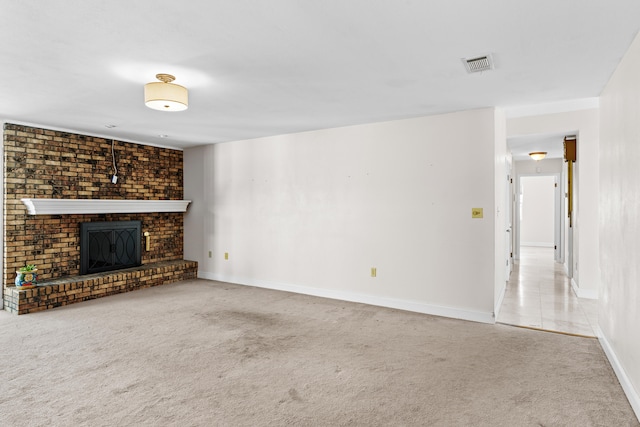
(73, 289)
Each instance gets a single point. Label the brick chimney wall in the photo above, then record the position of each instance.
(41, 163)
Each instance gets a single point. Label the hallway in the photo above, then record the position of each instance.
(539, 295)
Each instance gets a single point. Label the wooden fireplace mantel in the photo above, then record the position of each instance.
(102, 206)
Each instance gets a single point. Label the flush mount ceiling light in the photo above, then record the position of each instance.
(538, 155)
(166, 96)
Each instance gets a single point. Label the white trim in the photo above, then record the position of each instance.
(496, 309)
(101, 206)
(538, 244)
(436, 310)
(625, 381)
(558, 215)
(583, 293)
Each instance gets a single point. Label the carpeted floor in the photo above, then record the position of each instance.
(204, 353)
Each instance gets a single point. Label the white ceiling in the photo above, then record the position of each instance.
(551, 143)
(257, 68)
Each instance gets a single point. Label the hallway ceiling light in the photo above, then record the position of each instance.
(166, 96)
(538, 155)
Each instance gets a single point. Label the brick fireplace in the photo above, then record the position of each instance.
(42, 163)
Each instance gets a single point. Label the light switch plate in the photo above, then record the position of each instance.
(477, 213)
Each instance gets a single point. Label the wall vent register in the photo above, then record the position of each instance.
(479, 64)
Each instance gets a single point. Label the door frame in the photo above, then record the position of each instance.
(558, 215)
(509, 217)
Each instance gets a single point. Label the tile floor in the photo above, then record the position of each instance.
(539, 295)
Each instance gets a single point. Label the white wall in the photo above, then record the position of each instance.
(585, 124)
(620, 221)
(313, 212)
(541, 167)
(194, 178)
(537, 210)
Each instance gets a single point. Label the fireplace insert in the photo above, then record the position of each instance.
(111, 245)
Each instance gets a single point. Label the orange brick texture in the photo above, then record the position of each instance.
(42, 163)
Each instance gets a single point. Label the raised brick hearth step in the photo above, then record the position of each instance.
(72, 289)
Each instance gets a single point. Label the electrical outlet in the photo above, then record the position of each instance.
(374, 272)
(114, 179)
(226, 255)
(210, 254)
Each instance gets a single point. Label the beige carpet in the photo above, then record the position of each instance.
(205, 353)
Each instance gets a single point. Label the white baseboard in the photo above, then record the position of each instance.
(538, 244)
(584, 293)
(436, 310)
(625, 382)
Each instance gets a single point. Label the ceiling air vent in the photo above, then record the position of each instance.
(481, 63)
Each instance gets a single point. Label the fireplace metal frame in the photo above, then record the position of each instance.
(110, 238)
